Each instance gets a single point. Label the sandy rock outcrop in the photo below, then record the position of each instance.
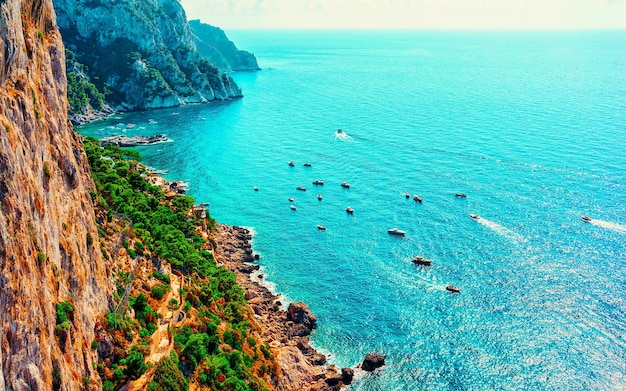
(49, 251)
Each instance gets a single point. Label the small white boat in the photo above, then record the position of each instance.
(345, 184)
(256, 188)
(350, 210)
(290, 199)
(175, 113)
(293, 207)
(587, 219)
(321, 227)
(318, 182)
(417, 198)
(474, 216)
(319, 197)
(396, 232)
(291, 163)
(407, 195)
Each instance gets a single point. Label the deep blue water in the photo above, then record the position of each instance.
(531, 126)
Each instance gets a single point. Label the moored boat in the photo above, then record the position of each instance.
(319, 197)
(396, 232)
(460, 195)
(293, 207)
(256, 188)
(350, 210)
(345, 184)
(291, 163)
(301, 188)
(417, 198)
(419, 260)
(318, 182)
(307, 164)
(290, 199)
(321, 227)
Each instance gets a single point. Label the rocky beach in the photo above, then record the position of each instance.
(287, 331)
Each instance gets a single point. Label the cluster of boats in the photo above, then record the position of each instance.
(418, 259)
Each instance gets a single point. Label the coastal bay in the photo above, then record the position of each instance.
(454, 119)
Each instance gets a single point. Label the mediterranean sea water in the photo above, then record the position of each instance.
(530, 125)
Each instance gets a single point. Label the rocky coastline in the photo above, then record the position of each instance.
(84, 118)
(286, 331)
(135, 141)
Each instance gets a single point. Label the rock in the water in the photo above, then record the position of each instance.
(300, 313)
(347, 374)
(333, 380)
(373, 361)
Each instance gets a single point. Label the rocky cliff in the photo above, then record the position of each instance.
(141, 53)
(47, 224)
(215, 46)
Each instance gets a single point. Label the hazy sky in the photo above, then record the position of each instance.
(416, 14)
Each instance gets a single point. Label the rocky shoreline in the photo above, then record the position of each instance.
(301, 366)
(135, 141)
(81, 119)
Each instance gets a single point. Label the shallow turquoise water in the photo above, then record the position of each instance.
(531, 126)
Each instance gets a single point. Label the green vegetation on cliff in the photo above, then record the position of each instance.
(213, 344)
(82, 95)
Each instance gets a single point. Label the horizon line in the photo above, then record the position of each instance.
(451, 29)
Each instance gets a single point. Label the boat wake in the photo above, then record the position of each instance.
(608, 225)
(501, 230)
(343, 136)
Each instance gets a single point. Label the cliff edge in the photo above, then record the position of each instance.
(48, 260)
(141, 53)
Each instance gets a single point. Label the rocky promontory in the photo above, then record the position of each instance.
(141, 53)
(215, 46)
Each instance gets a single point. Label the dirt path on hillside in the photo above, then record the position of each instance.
(162, 342)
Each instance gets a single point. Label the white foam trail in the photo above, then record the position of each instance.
(343, 136)
(502, 231)
(608, 225)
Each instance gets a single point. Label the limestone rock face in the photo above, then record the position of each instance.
(215, 46)
(142, 52)
(49, 250)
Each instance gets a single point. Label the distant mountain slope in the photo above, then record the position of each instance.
(140, 53)
(215, 46)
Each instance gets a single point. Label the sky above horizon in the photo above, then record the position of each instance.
(409, 14)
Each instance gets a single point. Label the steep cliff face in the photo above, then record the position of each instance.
(141, 52)
(215, 46)
(48, 238)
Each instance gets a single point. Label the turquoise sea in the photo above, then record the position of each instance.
(530, 125)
